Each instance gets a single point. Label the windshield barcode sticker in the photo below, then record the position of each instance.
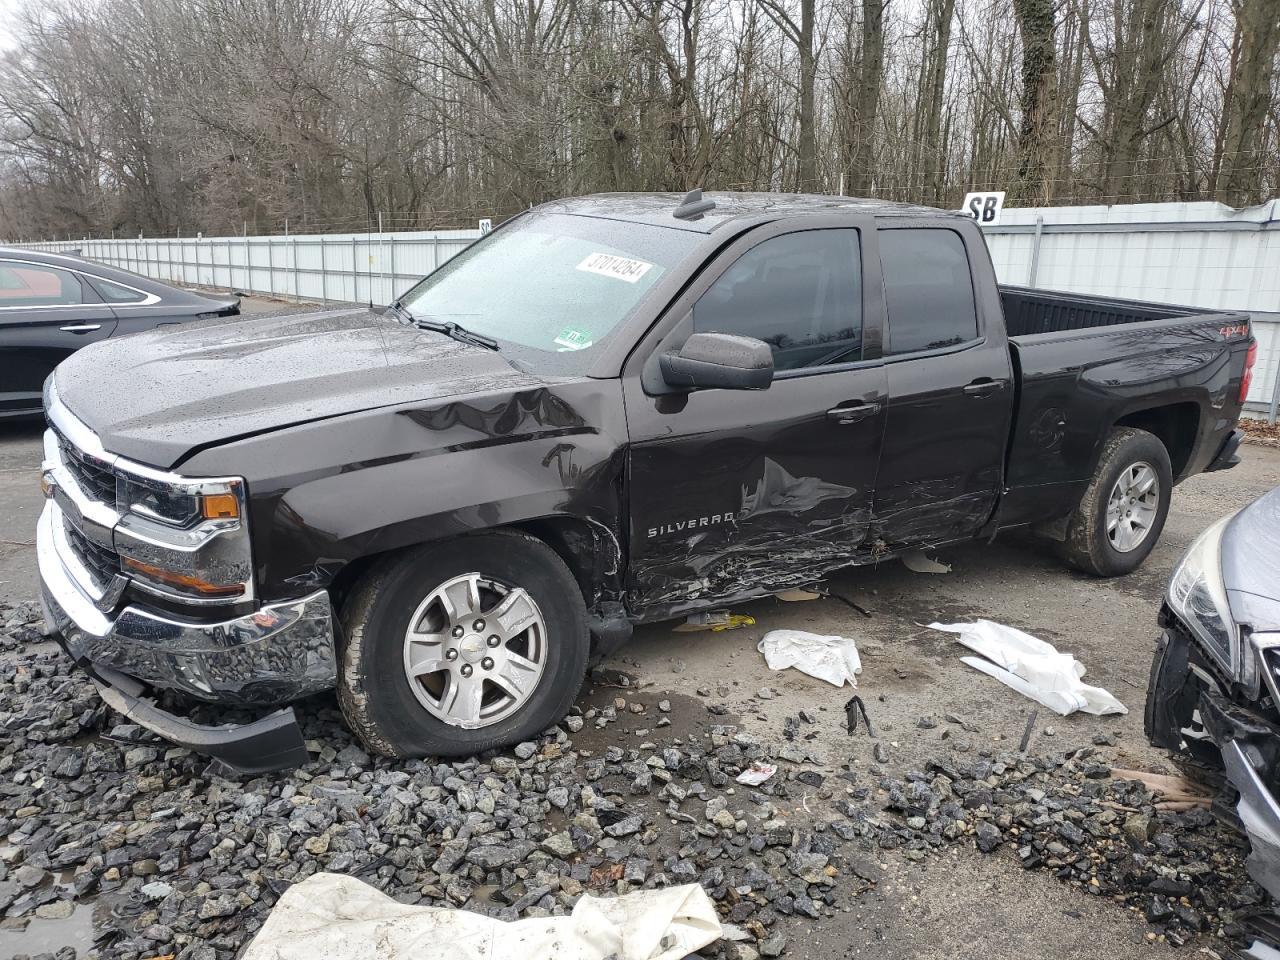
(620, 268)
(571, 339)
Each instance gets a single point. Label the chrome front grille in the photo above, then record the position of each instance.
(102, 562)
(83, 517)
(93, 477)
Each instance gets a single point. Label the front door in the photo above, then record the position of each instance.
(46, 314)
(736, 492)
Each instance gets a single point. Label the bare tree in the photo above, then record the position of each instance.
(1237, 170)
(172, 116)
(863, 81)
(1039, 101)
(800, 33)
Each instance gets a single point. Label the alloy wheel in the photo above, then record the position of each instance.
(475, 650)
(1133, 506)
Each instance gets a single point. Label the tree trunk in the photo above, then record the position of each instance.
(865, 105)
(936, 79)
(1248, 101)
(1039, 96)
(808, 146)
(1140, 59)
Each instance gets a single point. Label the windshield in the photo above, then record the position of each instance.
(553, 283)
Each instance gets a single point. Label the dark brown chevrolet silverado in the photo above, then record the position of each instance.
(610, 410)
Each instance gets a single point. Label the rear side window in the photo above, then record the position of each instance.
(34, 285)
(801, 293)
(928, 290)
(117, 293)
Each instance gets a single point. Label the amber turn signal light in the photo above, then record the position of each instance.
(182, 580)
(219, 506)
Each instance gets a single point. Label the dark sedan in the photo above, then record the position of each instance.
(53, 304)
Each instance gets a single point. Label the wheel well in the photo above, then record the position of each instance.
(588, 550)
(1175, 425)
(577, 542)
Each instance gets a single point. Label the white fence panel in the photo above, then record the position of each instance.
(1195, 254)
(1198, 254)
(354, 268)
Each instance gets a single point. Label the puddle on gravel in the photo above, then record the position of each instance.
(49, 936)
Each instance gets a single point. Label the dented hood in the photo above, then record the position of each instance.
(158, 396)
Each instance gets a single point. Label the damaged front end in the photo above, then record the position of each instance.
(1191, 712)
(1214, 696)
(147, 583)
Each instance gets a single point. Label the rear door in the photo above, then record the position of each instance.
(950, 382)
(734, 490)
(46, 314)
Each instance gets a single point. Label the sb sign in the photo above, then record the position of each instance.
(984, 207)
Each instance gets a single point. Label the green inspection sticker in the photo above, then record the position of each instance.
(571, 339)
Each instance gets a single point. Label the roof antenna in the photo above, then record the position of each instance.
(692, 207)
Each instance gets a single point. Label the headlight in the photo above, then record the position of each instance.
(185, 538)
(1197, 595)
(178, 505)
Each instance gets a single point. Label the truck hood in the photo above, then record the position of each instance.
(157, 397)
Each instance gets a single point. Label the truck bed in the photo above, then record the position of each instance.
(1028, 311)
(1085, 363)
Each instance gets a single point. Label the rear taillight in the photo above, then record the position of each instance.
(1247, 379)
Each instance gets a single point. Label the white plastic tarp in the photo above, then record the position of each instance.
(833, 659)
(1032, 667)
(333, 917)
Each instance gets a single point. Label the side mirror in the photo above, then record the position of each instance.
(719, 360)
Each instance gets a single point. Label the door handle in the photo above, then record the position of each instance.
(843, 415)
(81, 327)
(984, 388)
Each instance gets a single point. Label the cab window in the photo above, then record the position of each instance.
(928, 290)
(801, 293)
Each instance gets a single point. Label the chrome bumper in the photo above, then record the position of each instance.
(280, 652)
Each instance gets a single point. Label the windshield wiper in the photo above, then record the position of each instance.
(447, 327)
(402, 313)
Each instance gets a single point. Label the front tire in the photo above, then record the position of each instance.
(458, 647)
(1119, 519)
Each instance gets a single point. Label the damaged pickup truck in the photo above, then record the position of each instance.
(1214, 696)
(610, 410)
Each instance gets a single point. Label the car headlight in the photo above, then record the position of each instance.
(185, 538)
(178, 505)
(1197, 595)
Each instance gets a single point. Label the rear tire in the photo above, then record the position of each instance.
(1116, 525)
(405, 686)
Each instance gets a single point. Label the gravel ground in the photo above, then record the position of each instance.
(936, 834)
(179, 859)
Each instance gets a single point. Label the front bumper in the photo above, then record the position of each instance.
(272, 743)
(280, 652)
(1186, 686)
(1250, 748)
